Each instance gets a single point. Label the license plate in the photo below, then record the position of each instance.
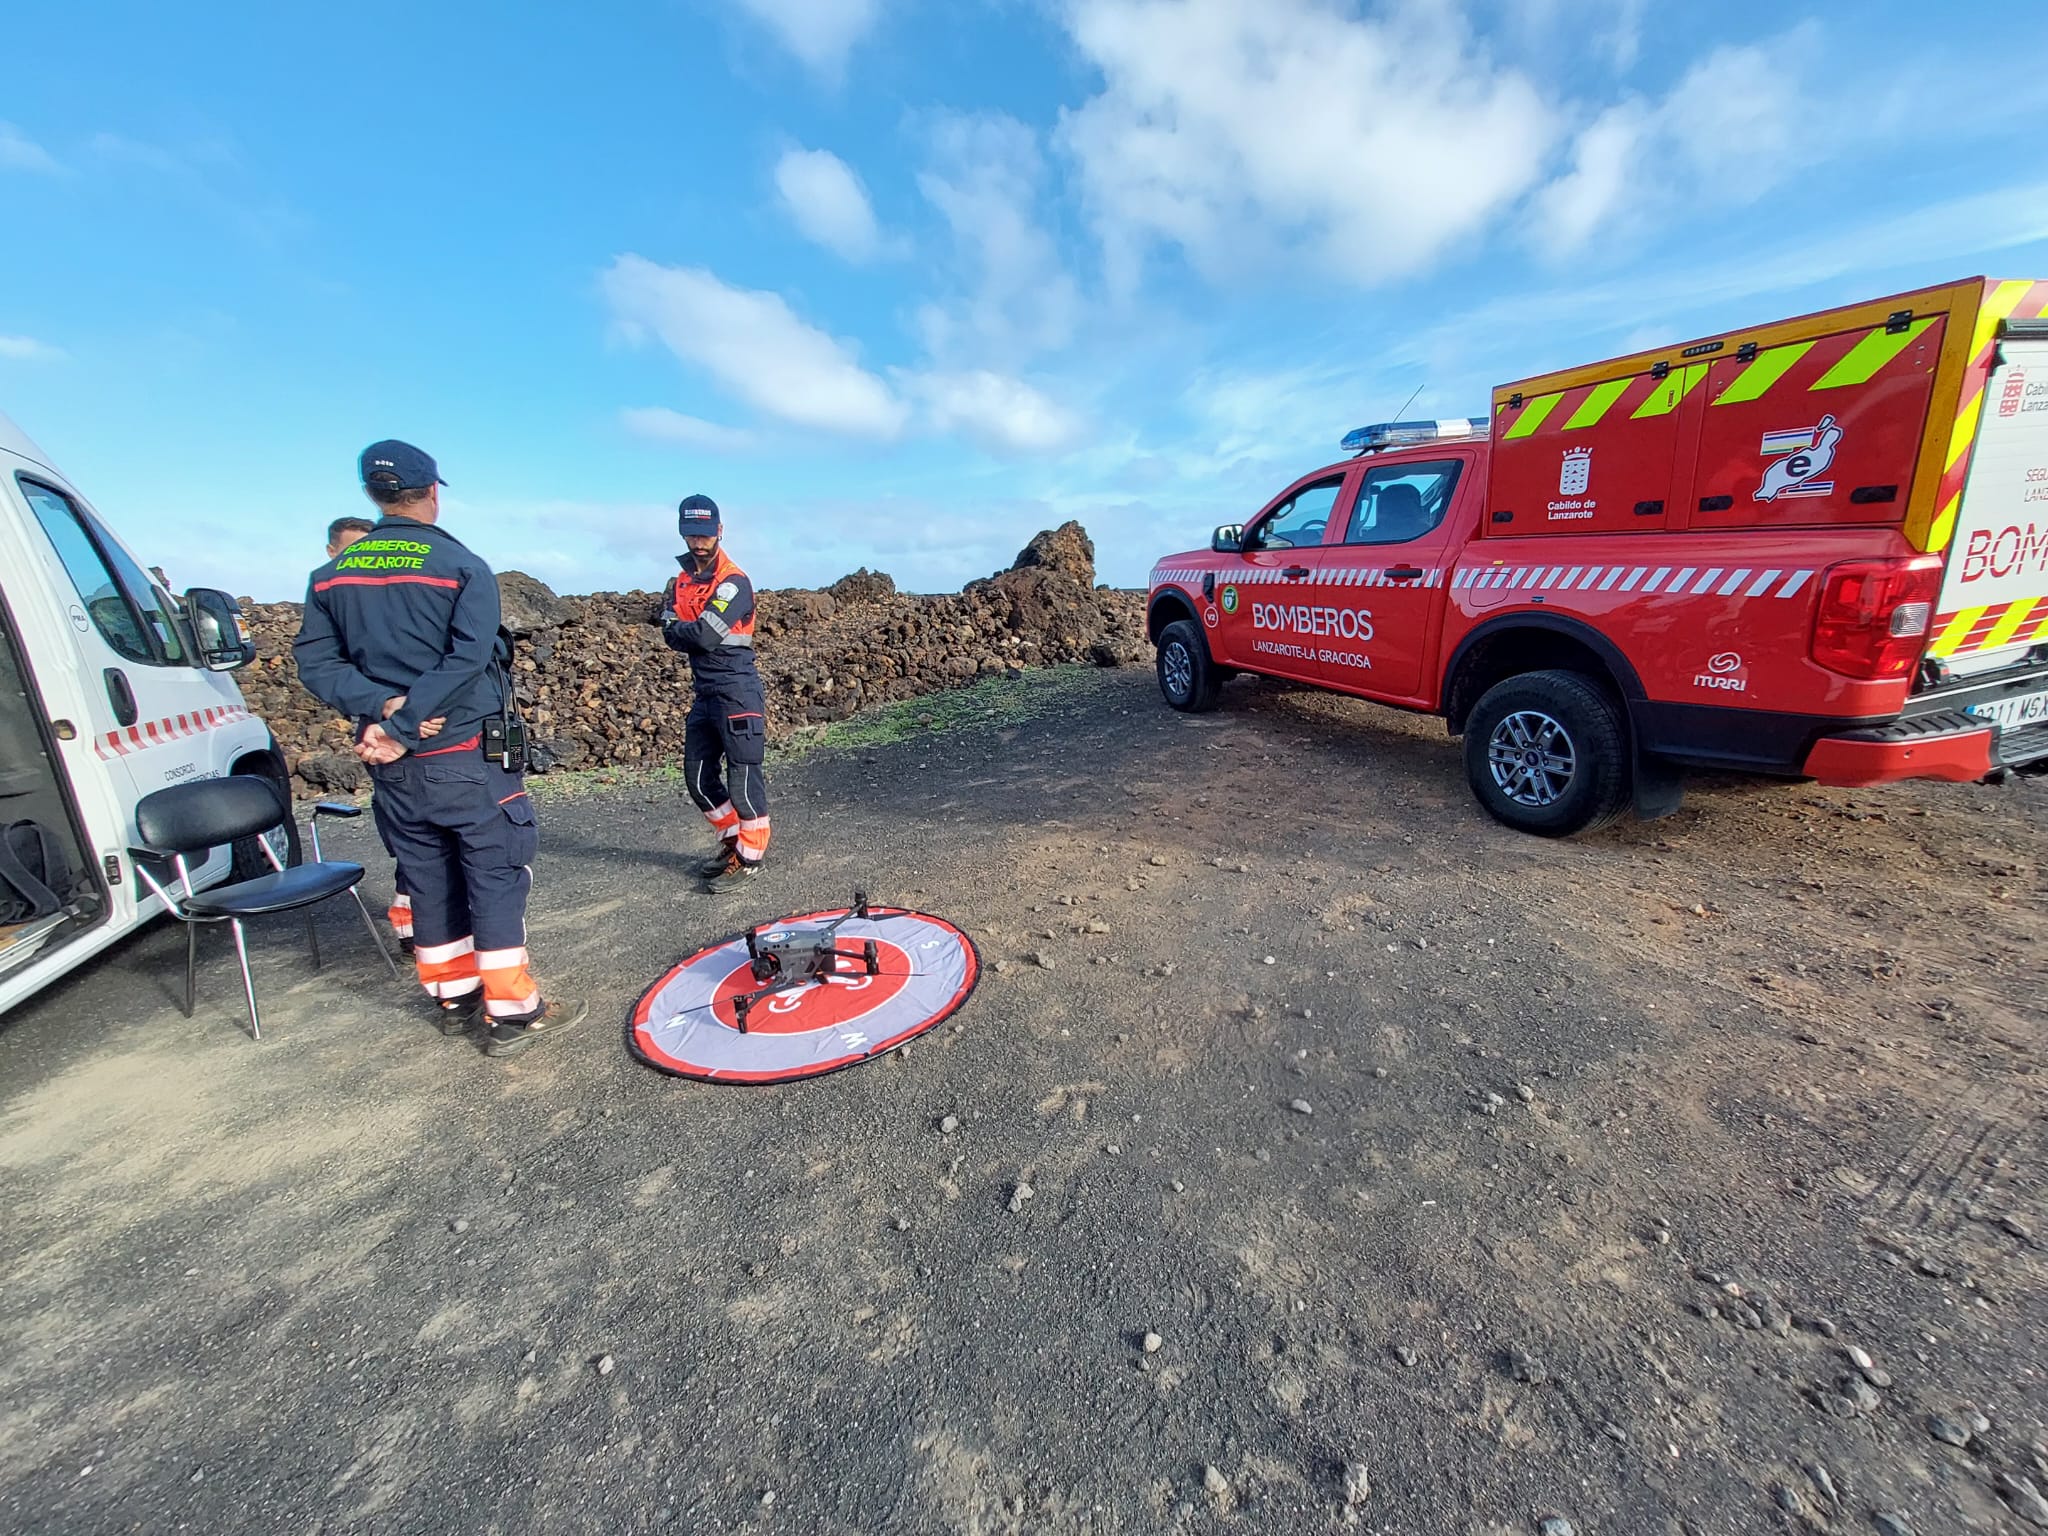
(2026, 709)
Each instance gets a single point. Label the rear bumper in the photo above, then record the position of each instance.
(1950, 746)
(1940, 736)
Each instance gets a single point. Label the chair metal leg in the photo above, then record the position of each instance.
(376, 938)
(312, 938)
(248, 981)
(191, 965)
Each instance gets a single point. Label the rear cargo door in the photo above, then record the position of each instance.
(1595, 458)
(1824, 430)
(1994, 596)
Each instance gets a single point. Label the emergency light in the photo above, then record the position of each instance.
(1401, 434)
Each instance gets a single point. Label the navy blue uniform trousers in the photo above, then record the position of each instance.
(463, 830)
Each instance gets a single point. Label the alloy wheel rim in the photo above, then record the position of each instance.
(1180, 670)
(1532, 758)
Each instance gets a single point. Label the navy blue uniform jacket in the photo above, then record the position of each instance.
(406, 609)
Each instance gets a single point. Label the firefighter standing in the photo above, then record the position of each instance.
(710, 619)
(341, 533)
(401, 628)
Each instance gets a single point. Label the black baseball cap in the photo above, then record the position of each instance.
(697, 518)
(395, 466)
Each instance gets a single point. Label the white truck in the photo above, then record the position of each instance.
(110, 688)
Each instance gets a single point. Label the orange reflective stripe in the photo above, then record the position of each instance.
(447, 970)
(723, 818)
(753, 839)
(509, 988)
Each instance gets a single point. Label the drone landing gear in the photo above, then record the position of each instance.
(786, 959)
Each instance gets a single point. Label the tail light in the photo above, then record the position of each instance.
(1874, 616)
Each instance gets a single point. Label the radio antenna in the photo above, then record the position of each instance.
(1401, 413)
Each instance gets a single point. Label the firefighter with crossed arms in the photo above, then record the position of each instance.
(709, 617)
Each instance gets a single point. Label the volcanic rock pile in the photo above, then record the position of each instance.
(599, 689)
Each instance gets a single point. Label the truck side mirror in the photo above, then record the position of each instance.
(1228, 540)
(223, 634)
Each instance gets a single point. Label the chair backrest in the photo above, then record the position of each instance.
(189, 817)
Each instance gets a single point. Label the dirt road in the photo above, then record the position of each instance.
(1530, 1181)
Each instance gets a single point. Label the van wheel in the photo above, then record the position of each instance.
(250, 861)
(1546, 753)
(1187, 677)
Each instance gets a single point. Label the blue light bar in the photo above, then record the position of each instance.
(1399, 434)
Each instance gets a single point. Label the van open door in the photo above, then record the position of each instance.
(50, 889)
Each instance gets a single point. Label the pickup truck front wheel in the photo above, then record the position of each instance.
(1546, 753)
(1187, 677)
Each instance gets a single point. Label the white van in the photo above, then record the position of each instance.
(110, 688)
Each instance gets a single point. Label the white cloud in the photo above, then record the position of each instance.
(18, 152)
(1605, 160)
(1228, 129)
(1738, 123)
(819, 32)
(659, 424)
(26, 349)
(1557, 32)
(1002, 414)
(986, 177)
(754, 345)
(828, 204)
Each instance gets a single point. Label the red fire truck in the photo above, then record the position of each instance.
(1817, 548)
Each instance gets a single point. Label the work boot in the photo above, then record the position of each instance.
(716, 863)
(459, 1015)
(733, 873)
(510, 1037)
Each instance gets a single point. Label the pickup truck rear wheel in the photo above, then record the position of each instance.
(1546, 753)
(1187, 677)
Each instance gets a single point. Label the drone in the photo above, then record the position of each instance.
(787, 957)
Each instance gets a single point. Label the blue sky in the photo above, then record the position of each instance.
(900, 282)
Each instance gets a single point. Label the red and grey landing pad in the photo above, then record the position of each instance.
(689, 1021)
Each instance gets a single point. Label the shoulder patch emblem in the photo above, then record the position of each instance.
(729, 590)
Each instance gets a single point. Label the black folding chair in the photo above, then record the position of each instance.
(193, 818)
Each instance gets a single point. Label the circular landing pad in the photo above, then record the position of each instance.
(686, 1023)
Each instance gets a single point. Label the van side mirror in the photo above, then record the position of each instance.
(223, 634)
(1228, 540)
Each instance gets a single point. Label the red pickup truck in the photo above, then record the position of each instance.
(1816, 548)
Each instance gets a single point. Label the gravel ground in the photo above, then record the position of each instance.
(1389, 1172)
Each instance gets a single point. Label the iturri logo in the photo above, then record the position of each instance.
(1721, 674)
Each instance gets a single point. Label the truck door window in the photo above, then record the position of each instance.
(130, 614)
(1400, 502)
(1298, 522)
